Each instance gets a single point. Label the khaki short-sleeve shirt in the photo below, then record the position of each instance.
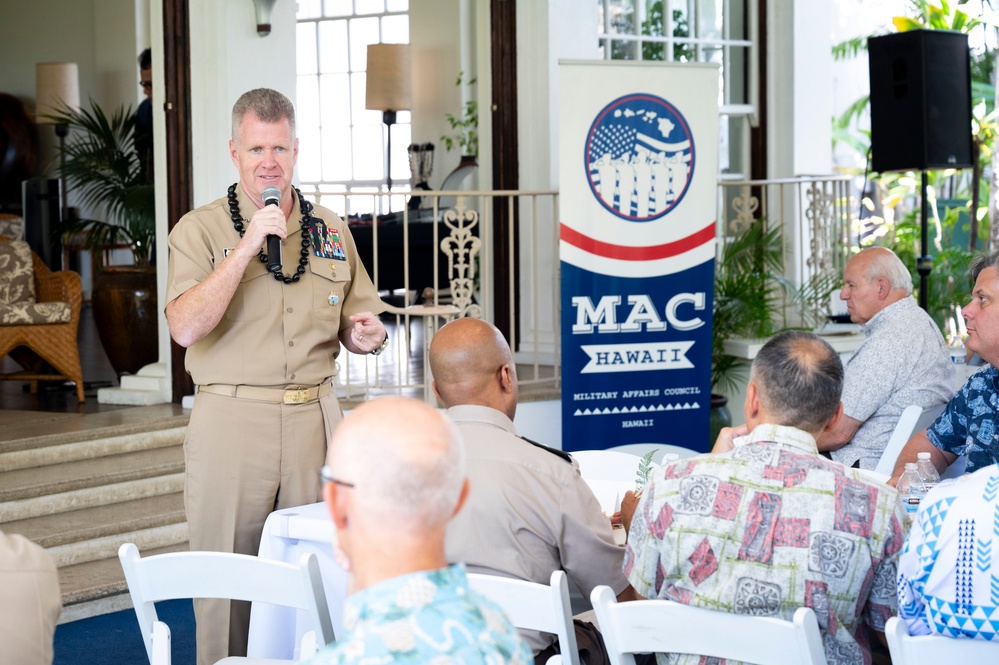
(272, 334)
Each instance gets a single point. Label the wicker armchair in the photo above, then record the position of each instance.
(39, 317)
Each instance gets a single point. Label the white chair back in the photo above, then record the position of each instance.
(534, 606)
(935, 649)
(913, 419)
(661, 451)
(663, 626)
(222, 575)
(607, 465)
(609, 474)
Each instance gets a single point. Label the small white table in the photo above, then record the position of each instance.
(275, 632)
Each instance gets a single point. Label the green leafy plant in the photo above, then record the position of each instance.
(748, 293)
(644, 469)
(104, 169)
(465, 128)
(654, 25)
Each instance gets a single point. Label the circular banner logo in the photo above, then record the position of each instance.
(639, 157)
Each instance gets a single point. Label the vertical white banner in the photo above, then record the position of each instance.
(638, 170)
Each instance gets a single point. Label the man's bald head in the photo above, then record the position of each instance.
(404, 459)
(472, 364)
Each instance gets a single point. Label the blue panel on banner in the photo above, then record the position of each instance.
(636, 358)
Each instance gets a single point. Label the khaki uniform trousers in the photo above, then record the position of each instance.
(245, 459)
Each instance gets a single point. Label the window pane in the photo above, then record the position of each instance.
(305, 46)
(397, 5)
(338, 8)
(401, 138)
(369, 6)
(334, 101)
(336, 154)
(395, 30)
(369, 158)
(308, 104)
(310, 155)
(333, 46)
(711, 19)
(363, 31)
(360, 115)
(309, 9)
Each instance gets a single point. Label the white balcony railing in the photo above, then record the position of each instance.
(436, 261)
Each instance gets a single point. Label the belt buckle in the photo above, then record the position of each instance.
(296, 395)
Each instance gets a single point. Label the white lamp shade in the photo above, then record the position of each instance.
(390, 85)
(57, 87)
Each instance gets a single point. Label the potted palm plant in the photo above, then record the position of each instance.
(101, 165)
(465, 128)
(748, 289)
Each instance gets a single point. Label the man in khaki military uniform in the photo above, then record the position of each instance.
(262, 347)
(29, 588)
(528, 513)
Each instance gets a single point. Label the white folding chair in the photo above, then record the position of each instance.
(913, 419)
(934, 649)
(663, 626)
(534, 606)
(222, 575)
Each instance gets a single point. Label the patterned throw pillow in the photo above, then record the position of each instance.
(17, 280)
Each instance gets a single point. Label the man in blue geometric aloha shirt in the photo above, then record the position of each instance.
(967, 427)
(396, 476)
(948, 582)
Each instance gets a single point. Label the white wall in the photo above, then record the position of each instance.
(99, 35)
(799, 95)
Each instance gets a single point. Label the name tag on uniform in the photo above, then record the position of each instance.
(326, 242)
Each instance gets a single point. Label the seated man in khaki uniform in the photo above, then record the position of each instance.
(528, 512)
(29, 588)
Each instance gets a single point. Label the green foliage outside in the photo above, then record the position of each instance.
(956, 232)
(465, 128)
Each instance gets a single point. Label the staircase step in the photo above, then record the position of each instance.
(94, 448)
(94, 496)
(106, 547)
(94, 580)
(100, 521)
(89, 473)
(21, 434)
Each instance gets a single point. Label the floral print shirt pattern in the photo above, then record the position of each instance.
(968, 424)
(765, 529)
(428, 617)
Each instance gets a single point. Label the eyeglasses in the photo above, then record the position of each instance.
(326, 473)
(147, 85)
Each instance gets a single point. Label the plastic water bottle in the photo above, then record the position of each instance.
(911, 487)
(927, 471)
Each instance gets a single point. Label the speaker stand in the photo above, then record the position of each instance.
(924, 263)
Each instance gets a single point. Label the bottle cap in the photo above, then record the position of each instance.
(923, 456)
(910, 465)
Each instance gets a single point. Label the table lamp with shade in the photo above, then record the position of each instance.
(57, 89)
(389, 89)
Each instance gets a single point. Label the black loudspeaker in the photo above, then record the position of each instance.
(920, 101)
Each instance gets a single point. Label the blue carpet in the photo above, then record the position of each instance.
(114, 639)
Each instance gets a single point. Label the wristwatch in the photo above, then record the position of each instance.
(380, 347)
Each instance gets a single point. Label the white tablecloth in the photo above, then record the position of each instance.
(275, 632)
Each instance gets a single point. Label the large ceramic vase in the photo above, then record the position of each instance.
(124, 303)
(720, 417)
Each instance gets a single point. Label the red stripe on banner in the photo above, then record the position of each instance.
(626, 253)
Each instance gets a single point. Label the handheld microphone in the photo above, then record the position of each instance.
(272, 197)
